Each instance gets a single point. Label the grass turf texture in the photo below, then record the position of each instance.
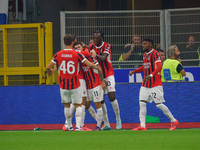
(154, 139)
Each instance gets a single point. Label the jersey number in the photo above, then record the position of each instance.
(70, 67)
(95, 93)
(153, 95)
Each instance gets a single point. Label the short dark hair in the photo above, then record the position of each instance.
(68, 39)
(77, 43)
(160, 50)
(98, 31)
(74, 36)
(149, 40)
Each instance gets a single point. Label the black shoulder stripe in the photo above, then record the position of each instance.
(80, 55)
(93, 60)
(92, 46)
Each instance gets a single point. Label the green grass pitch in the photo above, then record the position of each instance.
(152, 139)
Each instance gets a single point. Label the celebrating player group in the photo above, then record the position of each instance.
(86, 74)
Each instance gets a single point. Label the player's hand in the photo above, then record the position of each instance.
(83, 44)
(50, 72)
(103, 85)
(94, 54)
(147, 78)
(99, 70)
(131, 72)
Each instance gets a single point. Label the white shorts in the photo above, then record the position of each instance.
(83, 87)
(110, 84)
(95, 94)
(152, 94)
(75, 95)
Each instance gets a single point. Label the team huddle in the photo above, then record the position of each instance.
(86, 74)
(83, 77)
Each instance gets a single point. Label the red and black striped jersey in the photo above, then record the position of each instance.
(68, 62)
(81, 70)
(106, 65)
(91, 76)
(149, 65)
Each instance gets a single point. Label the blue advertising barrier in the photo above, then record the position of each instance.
(41, 104)
(122, 75)
(3, 18)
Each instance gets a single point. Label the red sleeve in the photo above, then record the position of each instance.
(85, 53)
(91, 46)
(138, 70)
(86, 50)
(107, 48)
(81, 57)
(158, 69)
(55, 58)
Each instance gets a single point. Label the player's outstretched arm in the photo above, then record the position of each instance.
(99, 57)
(136, 71)
(93, 66)
(102, 57)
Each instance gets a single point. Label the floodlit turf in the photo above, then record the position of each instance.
(155, 139)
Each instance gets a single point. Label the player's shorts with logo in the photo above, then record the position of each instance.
(83, 87)
(75, 95)
(110, 84)
(152, 94)
(95, 94)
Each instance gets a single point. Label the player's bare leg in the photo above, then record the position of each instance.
(115, 106)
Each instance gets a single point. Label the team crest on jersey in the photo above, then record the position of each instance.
(145, 57)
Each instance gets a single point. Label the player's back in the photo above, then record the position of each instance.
(68, 62)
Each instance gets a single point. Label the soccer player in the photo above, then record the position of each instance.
(102, 51)
(151, 89)
(68, 61)
(94, 81)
